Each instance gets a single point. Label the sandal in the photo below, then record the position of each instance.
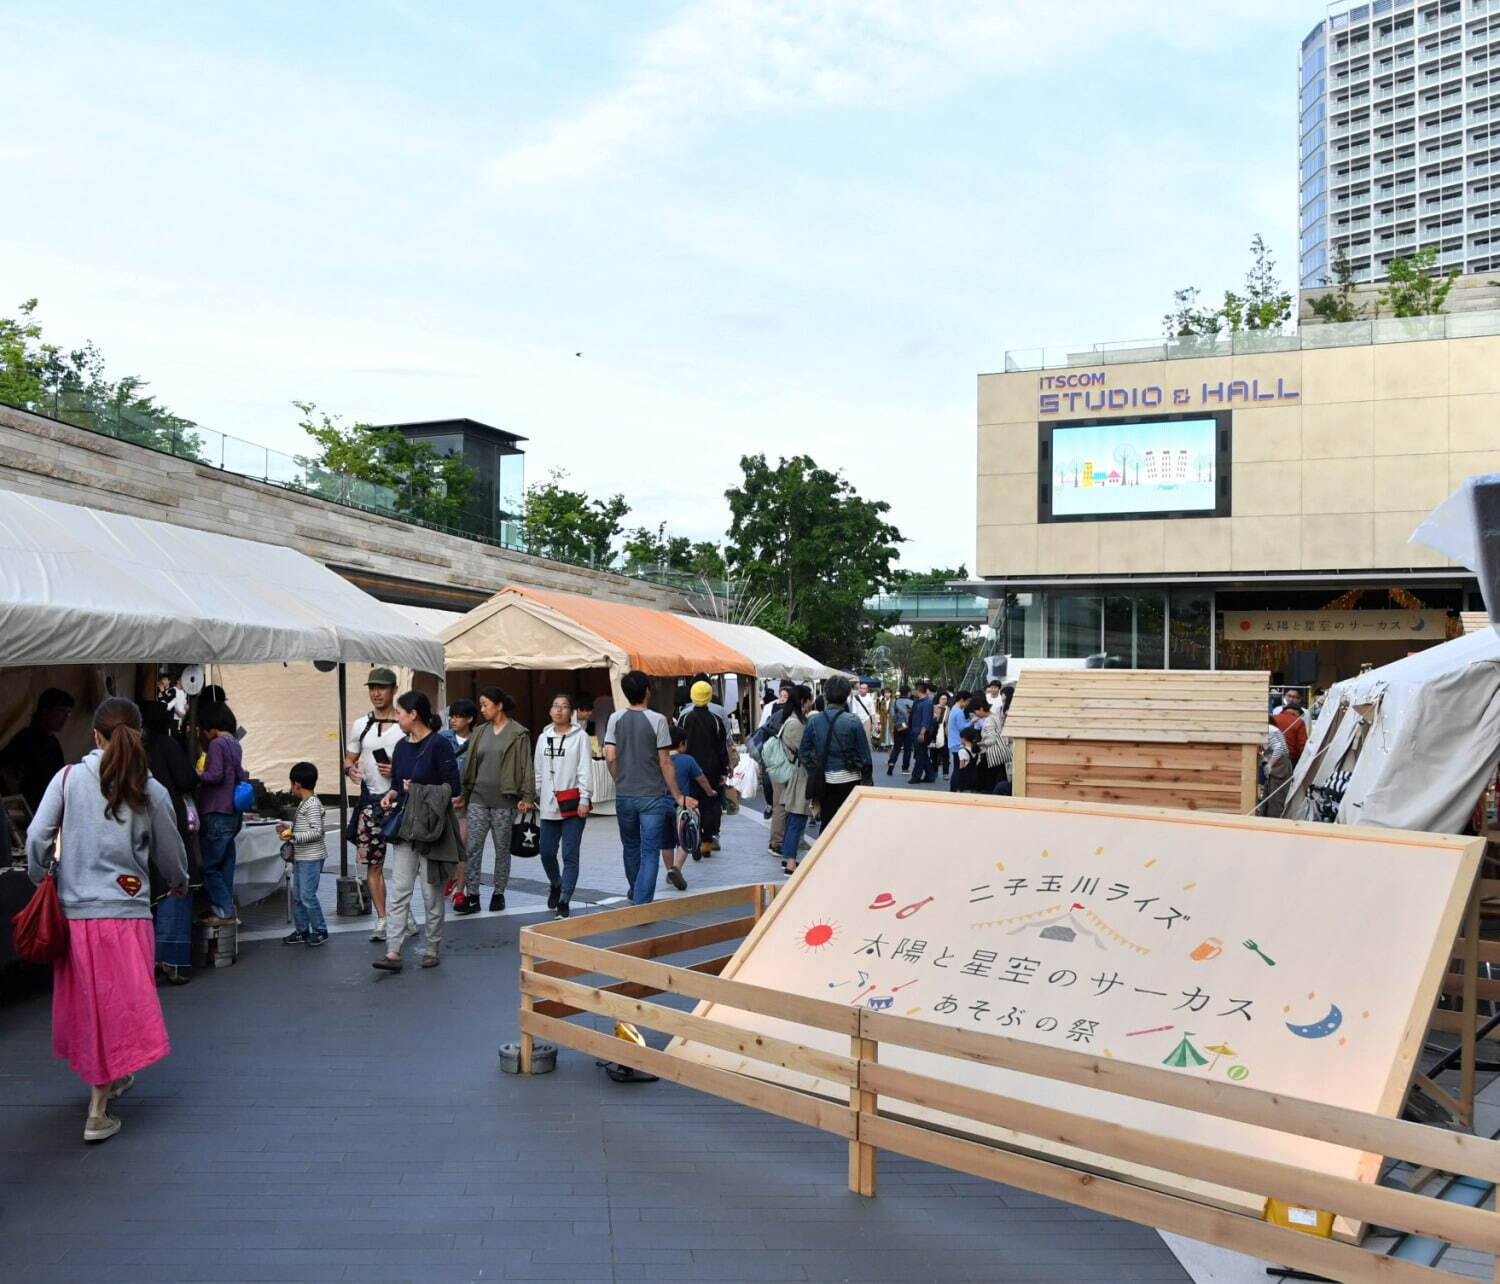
(430, 960)
(385, 964)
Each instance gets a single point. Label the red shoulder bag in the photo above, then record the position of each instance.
(40, 930)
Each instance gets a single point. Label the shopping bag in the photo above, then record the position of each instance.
(525, 836)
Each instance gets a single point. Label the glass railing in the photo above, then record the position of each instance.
(1459, 325)
(186, 440)
(931, 604)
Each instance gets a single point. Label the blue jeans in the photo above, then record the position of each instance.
(568, 834)
(921, 762)
(174, 930)
(307, 914)
(792, 838)
(216, 831)
(643, 833)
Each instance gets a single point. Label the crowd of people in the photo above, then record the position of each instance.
(130, 831)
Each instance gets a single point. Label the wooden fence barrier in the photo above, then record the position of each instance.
(553, 957)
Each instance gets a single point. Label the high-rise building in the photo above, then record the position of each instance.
(1400, 136)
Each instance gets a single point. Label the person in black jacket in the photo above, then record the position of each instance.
(171, 769)
(704, 740)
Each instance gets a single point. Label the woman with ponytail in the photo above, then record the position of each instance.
(113, 823)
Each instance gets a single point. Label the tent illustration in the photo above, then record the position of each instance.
(1184, 1055)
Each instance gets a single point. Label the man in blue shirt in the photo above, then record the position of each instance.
(921, 736)
(958, 719)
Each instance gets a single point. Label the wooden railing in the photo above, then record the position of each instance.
(553, 956)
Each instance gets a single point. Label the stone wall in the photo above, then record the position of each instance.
(389, 558)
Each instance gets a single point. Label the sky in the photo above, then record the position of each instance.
(649, 237)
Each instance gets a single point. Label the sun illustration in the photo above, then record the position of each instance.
(818, 936)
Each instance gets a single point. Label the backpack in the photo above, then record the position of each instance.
(774, 759)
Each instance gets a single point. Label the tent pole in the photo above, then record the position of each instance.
(343, 776)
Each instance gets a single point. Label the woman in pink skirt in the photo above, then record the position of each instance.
(113, 821)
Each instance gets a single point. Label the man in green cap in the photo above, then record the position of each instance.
(373, 738)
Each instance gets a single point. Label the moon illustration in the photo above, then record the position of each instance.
(1320, 1029)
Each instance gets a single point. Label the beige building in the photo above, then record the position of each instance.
(1234, 504)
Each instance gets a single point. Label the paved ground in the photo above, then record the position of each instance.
(320, 1121)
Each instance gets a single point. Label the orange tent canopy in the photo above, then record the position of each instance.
(657, 642)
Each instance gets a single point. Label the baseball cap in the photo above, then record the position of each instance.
(381, 678)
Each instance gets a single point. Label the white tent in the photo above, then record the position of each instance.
(82, 586)
(773, 658)
(1419, 739)
(291, 711)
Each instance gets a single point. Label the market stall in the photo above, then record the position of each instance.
(91, 602)
(536, 642)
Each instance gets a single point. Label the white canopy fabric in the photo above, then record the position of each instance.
(1420, 738)
(82, 586)
(773, 658)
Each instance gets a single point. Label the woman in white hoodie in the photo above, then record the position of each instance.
(564, 770)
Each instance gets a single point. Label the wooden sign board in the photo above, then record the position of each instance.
(1293, 957)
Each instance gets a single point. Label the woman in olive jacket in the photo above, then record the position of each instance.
(498, 782)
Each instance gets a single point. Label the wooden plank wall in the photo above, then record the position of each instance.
(1148, 738)
(1191, 777)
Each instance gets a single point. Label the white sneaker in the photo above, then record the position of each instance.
(100, 1127)
(379, 933)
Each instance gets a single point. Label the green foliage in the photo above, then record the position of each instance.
(1416, 288)
(565, 523)
(648, 550)
(422, 483)
(1339, 306)
(71, 385)
(802, 535)
(1264, 305)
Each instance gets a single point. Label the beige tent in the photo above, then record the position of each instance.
(290, 712)
(565, 642)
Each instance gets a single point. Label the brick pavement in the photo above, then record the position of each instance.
(320, 1121)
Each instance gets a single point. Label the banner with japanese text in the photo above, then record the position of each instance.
(1336, 626)
(1301, 959)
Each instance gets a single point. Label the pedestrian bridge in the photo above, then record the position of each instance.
(932, 606)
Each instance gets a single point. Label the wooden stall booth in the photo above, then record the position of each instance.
(1160, 738)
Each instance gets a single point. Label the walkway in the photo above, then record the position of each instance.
(320, 1121)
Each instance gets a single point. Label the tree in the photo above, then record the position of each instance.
(567, 524)
(645, 549)
(1264, 305)
(71, 385)
(803, 536)
(420, 482)
(1338, 305)
(1187, 320)
(1415, 288)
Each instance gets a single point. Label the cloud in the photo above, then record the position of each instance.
(721, 58)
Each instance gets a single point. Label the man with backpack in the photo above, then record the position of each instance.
(835, 751)
(705, 740)
(900, 732)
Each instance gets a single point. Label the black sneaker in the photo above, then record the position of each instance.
(470, 906)
(674, 876)
(554, 894)
(294, 938)
(497, 902)
(562, 909)
(768, 813)
(316, 938)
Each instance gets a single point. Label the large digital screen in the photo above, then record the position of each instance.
(1100, 469)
